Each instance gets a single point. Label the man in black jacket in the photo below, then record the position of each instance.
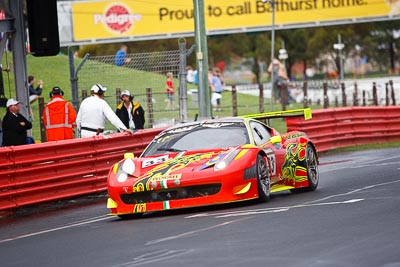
(14, 125)
(130, 112)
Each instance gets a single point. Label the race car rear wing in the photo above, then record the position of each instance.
(306, 112)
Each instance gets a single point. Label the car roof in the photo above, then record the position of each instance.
(217, 120)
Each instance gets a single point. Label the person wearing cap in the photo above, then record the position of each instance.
(93, 113)
(59, 117)
(130, 112)
(15, 125)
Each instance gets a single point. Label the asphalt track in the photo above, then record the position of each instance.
(353, 219)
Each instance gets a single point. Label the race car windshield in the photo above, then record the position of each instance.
(206, 136)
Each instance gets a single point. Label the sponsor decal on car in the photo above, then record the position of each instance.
(163, 171)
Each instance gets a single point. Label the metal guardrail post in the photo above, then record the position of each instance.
(355, 95)
(150, 111)
(392, 93)
(305, 98)
(364, 100)
(326, 98)
(344, 96)
(261, 98)
(234, 101)
(374, 94)
(387, 94)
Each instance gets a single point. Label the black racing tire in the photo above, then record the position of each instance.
(130, 216)
(312, 167)
(311, 163)
(263, 179)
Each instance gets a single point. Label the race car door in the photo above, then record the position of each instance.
(276, 155)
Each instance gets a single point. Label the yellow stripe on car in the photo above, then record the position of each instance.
(111, 203)
(241, 154)
(115, 168)
(242, 189)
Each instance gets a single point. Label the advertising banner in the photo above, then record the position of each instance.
(96, 20)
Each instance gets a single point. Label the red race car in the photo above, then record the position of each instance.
(213, 162)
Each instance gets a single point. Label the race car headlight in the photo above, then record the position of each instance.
(220, 165)
(225, 161)
(122, 177)
(127, 168)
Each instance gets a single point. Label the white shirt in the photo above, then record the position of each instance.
(131, 123)
(93, 113)
(190, 76)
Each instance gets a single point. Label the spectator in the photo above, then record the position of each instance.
(216, 84)
(120, 56)
(169, 86)
(34, 93)
(14, 125)
(190, 74)
(280, 78)
(59, 117)
(93, 113)
(130, 112)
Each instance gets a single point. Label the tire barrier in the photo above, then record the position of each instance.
(31, 174)
(351, 126)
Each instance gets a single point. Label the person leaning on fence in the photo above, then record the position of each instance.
(130, 112)
(93, 113)
(14, 125)
(59, 117)
(120, 56)
(280, 78)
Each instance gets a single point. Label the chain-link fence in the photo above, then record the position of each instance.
(140, 72)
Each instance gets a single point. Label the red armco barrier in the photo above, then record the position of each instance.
(43, 172)
(343, 127)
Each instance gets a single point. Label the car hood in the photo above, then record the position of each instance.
(179, 162)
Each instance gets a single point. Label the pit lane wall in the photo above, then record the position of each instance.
(31, 174)
(343, 127)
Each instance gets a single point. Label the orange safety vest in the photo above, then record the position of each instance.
(59, 119)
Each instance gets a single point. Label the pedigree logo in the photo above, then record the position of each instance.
(117, 18)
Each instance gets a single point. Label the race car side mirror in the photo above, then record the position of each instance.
(129, 156)
(275, 139)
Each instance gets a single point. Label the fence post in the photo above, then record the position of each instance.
(234, 101)
(387, 93)
(149, 100)
(374, 94)
(326, 99)
(305, 99)
(261, 98)
(344, 97)
(117, 96)
(392, 93)
(84, 94)
(364, 100)
(43, 137)
(355, 95)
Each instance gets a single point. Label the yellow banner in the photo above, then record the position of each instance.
(130, 18)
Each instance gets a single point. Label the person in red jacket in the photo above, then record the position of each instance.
(59, 117)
